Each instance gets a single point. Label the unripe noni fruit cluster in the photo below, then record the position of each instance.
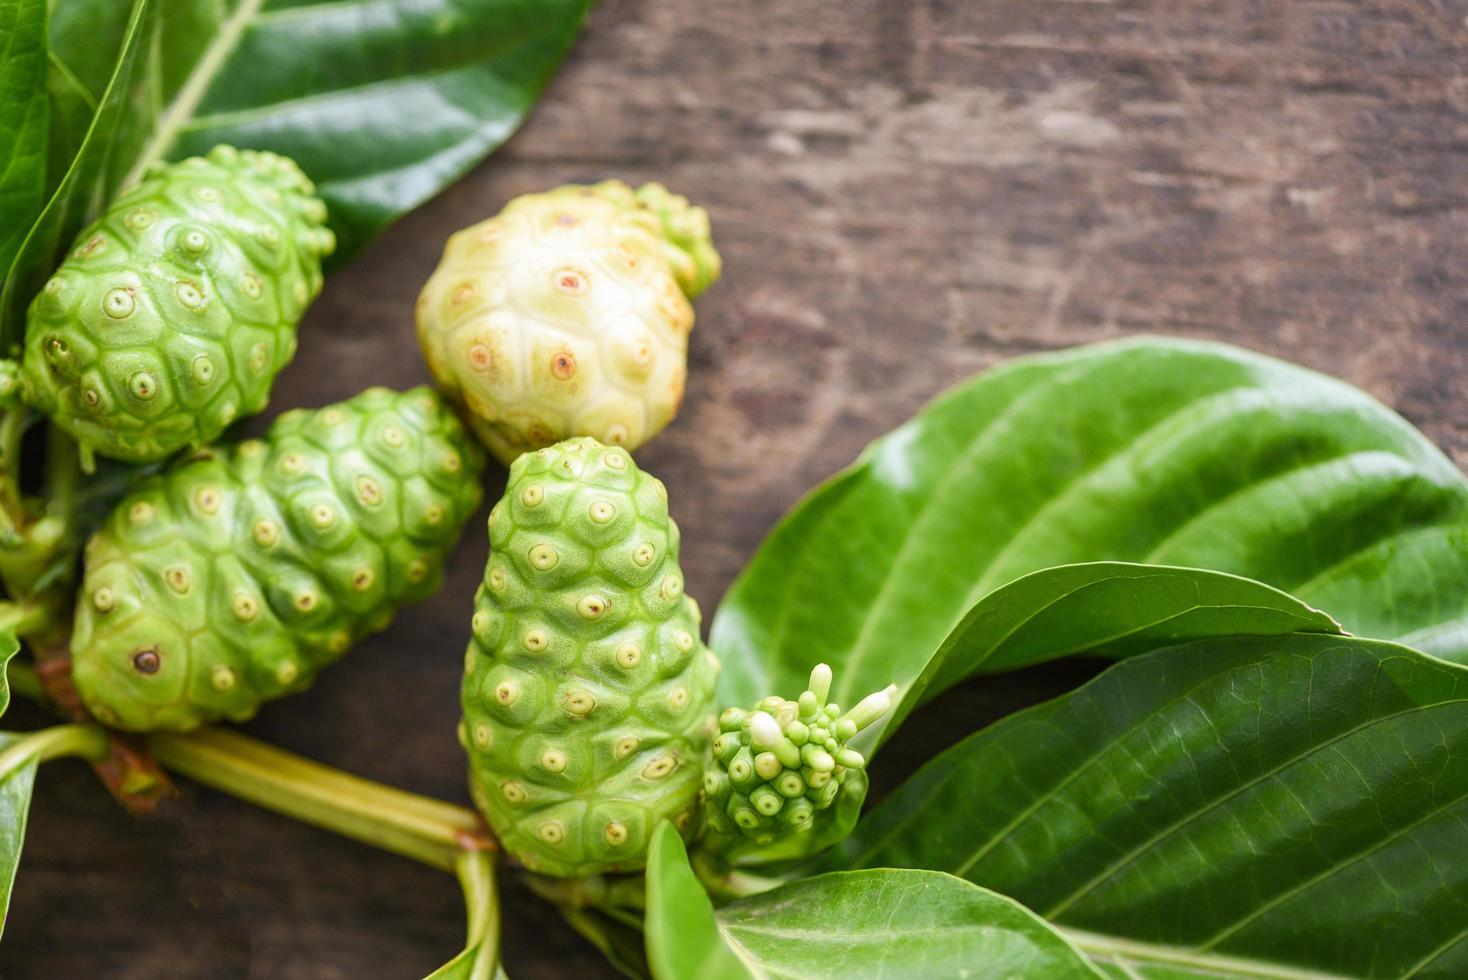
(235, 576)
(776, 766)
(568, 314)
(587, 693)
(177, 307)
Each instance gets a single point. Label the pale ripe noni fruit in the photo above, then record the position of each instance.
(568, 314)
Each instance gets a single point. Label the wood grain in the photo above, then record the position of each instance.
(905, 192)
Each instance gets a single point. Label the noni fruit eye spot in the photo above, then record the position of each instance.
(587, 695)
(778, 765)
(568, 315)
(231, 579)
(174, 312)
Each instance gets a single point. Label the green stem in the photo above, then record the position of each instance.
(476, 873)
(12, 430)
(428, 830)
(626, 891)
(404, 823)
(25, 681)
(725, 882)
(60, 741)
(24, 616)
(63, 472)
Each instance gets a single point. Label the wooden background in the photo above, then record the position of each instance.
(904, 191)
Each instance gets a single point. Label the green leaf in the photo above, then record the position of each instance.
(86, 37)
(381, 108)
(1108, 609)
(1157, 451)
(894, 922)
(16, 785)
(9, 647)
(81, 189)
(23, 119)
(683, 938)
(882, 923)
(1246, 804)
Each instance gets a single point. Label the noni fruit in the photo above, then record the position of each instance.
(178, 306)
(568, 315)
(776, 766)
(587, 693)
(235, 576)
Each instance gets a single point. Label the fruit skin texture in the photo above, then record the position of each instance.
(235, 576)
(587, 694)
(776, 766)
(176, 308)
(568, 314)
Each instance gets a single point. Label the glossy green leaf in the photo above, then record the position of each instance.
(16, 785)
(9, 647)
(85, 36)
(72, 108)
(1157, 451)
(1254, 804)
(382, 104)
(24, 120)
(683, 938)
(81, 188)
(1107, 609)
(85, 39)
(881, 923)
(893, 922)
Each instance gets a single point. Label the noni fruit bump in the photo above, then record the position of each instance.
(568, 314)
(234, 577)
(176, 308)
(587, 693)
(778, 765)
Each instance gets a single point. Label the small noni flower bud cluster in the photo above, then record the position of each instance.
(776, 766)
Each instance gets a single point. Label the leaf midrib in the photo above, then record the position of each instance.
(368, 89)
(191, 93)
(1095, 944)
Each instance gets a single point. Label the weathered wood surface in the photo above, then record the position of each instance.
(905, 191)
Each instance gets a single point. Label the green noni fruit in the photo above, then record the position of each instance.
(178, 306)
(587, 693)
(235, 576)
(568, 314)
(778, 765)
